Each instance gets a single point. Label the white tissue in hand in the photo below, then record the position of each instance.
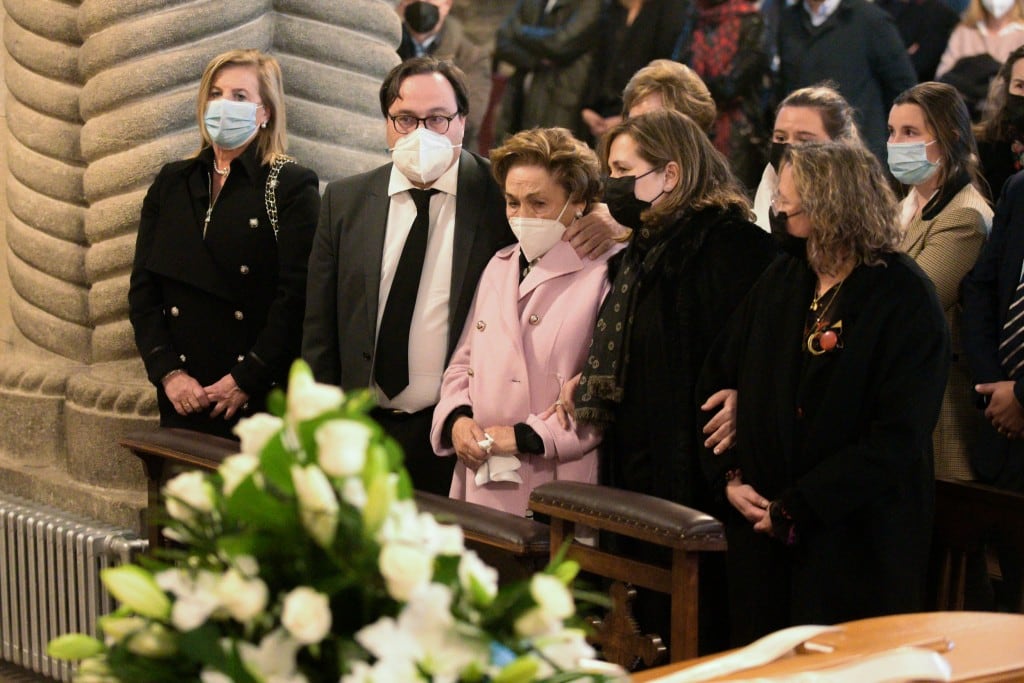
(499, 468)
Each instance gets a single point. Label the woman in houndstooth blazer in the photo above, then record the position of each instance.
(945, 219)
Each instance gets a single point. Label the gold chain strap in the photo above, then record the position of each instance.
(270, 196)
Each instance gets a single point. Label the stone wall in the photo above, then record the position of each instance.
(97, 95)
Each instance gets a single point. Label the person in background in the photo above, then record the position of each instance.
(726, 49)
(549, 43)
(839, 355)
(989, 31)
(667, 84)
(944, 220)
(527, 333)
(814, 114)
(925, 26)
(632, 34)
(854, 44)
(218, 282)
(992, 342)
(1000, 134)
(428, 29)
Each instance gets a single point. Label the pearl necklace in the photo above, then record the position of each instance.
(221, 172)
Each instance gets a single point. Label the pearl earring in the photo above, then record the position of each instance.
(263, 125)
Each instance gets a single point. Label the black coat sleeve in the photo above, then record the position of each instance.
(320, 329)
(145, 294)
(279, 343)
(525, 44)
(981, 324)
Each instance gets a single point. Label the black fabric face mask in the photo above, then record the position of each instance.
(422, 17)
(775, 154)
(1014, 111)
(792, 245)
(623, 205)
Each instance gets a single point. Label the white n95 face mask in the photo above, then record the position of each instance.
(423, 156)
(537, 235)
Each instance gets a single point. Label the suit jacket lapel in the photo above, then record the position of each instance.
(468, 206)
(561, 260)
(371, 231)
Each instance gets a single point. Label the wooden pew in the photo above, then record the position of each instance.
(685, 532)
(966, 515)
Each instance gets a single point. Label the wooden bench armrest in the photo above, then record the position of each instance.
(517, 535)
(628, 513)
(181, 446)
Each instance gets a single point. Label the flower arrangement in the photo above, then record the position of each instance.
(304, 559)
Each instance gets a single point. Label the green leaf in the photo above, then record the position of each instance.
(276, 463)
(259, 509)
(74, 646)
(237, 544)
(276, 402)
(521, 670)
(136, 588)
(359, 402)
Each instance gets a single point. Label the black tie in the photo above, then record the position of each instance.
(1011, 347)
(391, 360)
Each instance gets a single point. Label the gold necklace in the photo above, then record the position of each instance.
(820, 339)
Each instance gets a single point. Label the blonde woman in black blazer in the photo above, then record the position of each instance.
(218, 287)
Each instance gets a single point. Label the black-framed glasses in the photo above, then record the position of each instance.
(406, 123)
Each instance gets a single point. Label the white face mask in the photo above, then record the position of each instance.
(537, 235)
(998, 8)
(423, 156)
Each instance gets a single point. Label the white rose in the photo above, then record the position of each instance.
(405, 568)
(478, 579)
(235, 468)
(440, 539)
(254, 432)
(534, 622)
(244, 599)
(318, 504)
(188, 493)
(156, 642)
(354, 493)
(566, 649)
(308, 399)
(343, 445)
(196, 595)
(306, 615)
(551, 596)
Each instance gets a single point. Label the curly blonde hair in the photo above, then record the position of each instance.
(848, 201)
(570, 162)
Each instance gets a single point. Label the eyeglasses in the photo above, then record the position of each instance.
(404, 123)
(776, 200)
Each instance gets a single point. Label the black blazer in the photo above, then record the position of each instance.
(231, 302)
(344, 266)
(988, 291)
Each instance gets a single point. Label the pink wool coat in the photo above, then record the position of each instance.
(521, 343)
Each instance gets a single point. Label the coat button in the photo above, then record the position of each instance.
(239, 315)
(481, 325)
(243, 269)
(239, 358)
(534, 319)
(469, 372)
(175, 312)
(799, 413)
(366, 355)
(182, 358)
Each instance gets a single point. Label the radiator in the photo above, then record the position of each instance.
(49, 579)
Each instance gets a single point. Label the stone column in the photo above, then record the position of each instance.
(99, 95)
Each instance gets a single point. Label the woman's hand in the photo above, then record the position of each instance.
(504, 440)
(722, 426)
(751, 504)
(185, 393)
(564, 406)
(227, 397)
(466, 438)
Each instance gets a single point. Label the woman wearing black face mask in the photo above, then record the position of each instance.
(839, 355)
(1000, 135)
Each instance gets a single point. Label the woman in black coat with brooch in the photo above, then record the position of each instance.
(217, 288)
(840, 356)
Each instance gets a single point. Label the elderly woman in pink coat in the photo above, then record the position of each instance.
(528, 333)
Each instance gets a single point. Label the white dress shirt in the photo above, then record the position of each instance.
(428, 332)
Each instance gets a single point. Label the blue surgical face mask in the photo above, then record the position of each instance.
(908, 162)
(230, 124)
